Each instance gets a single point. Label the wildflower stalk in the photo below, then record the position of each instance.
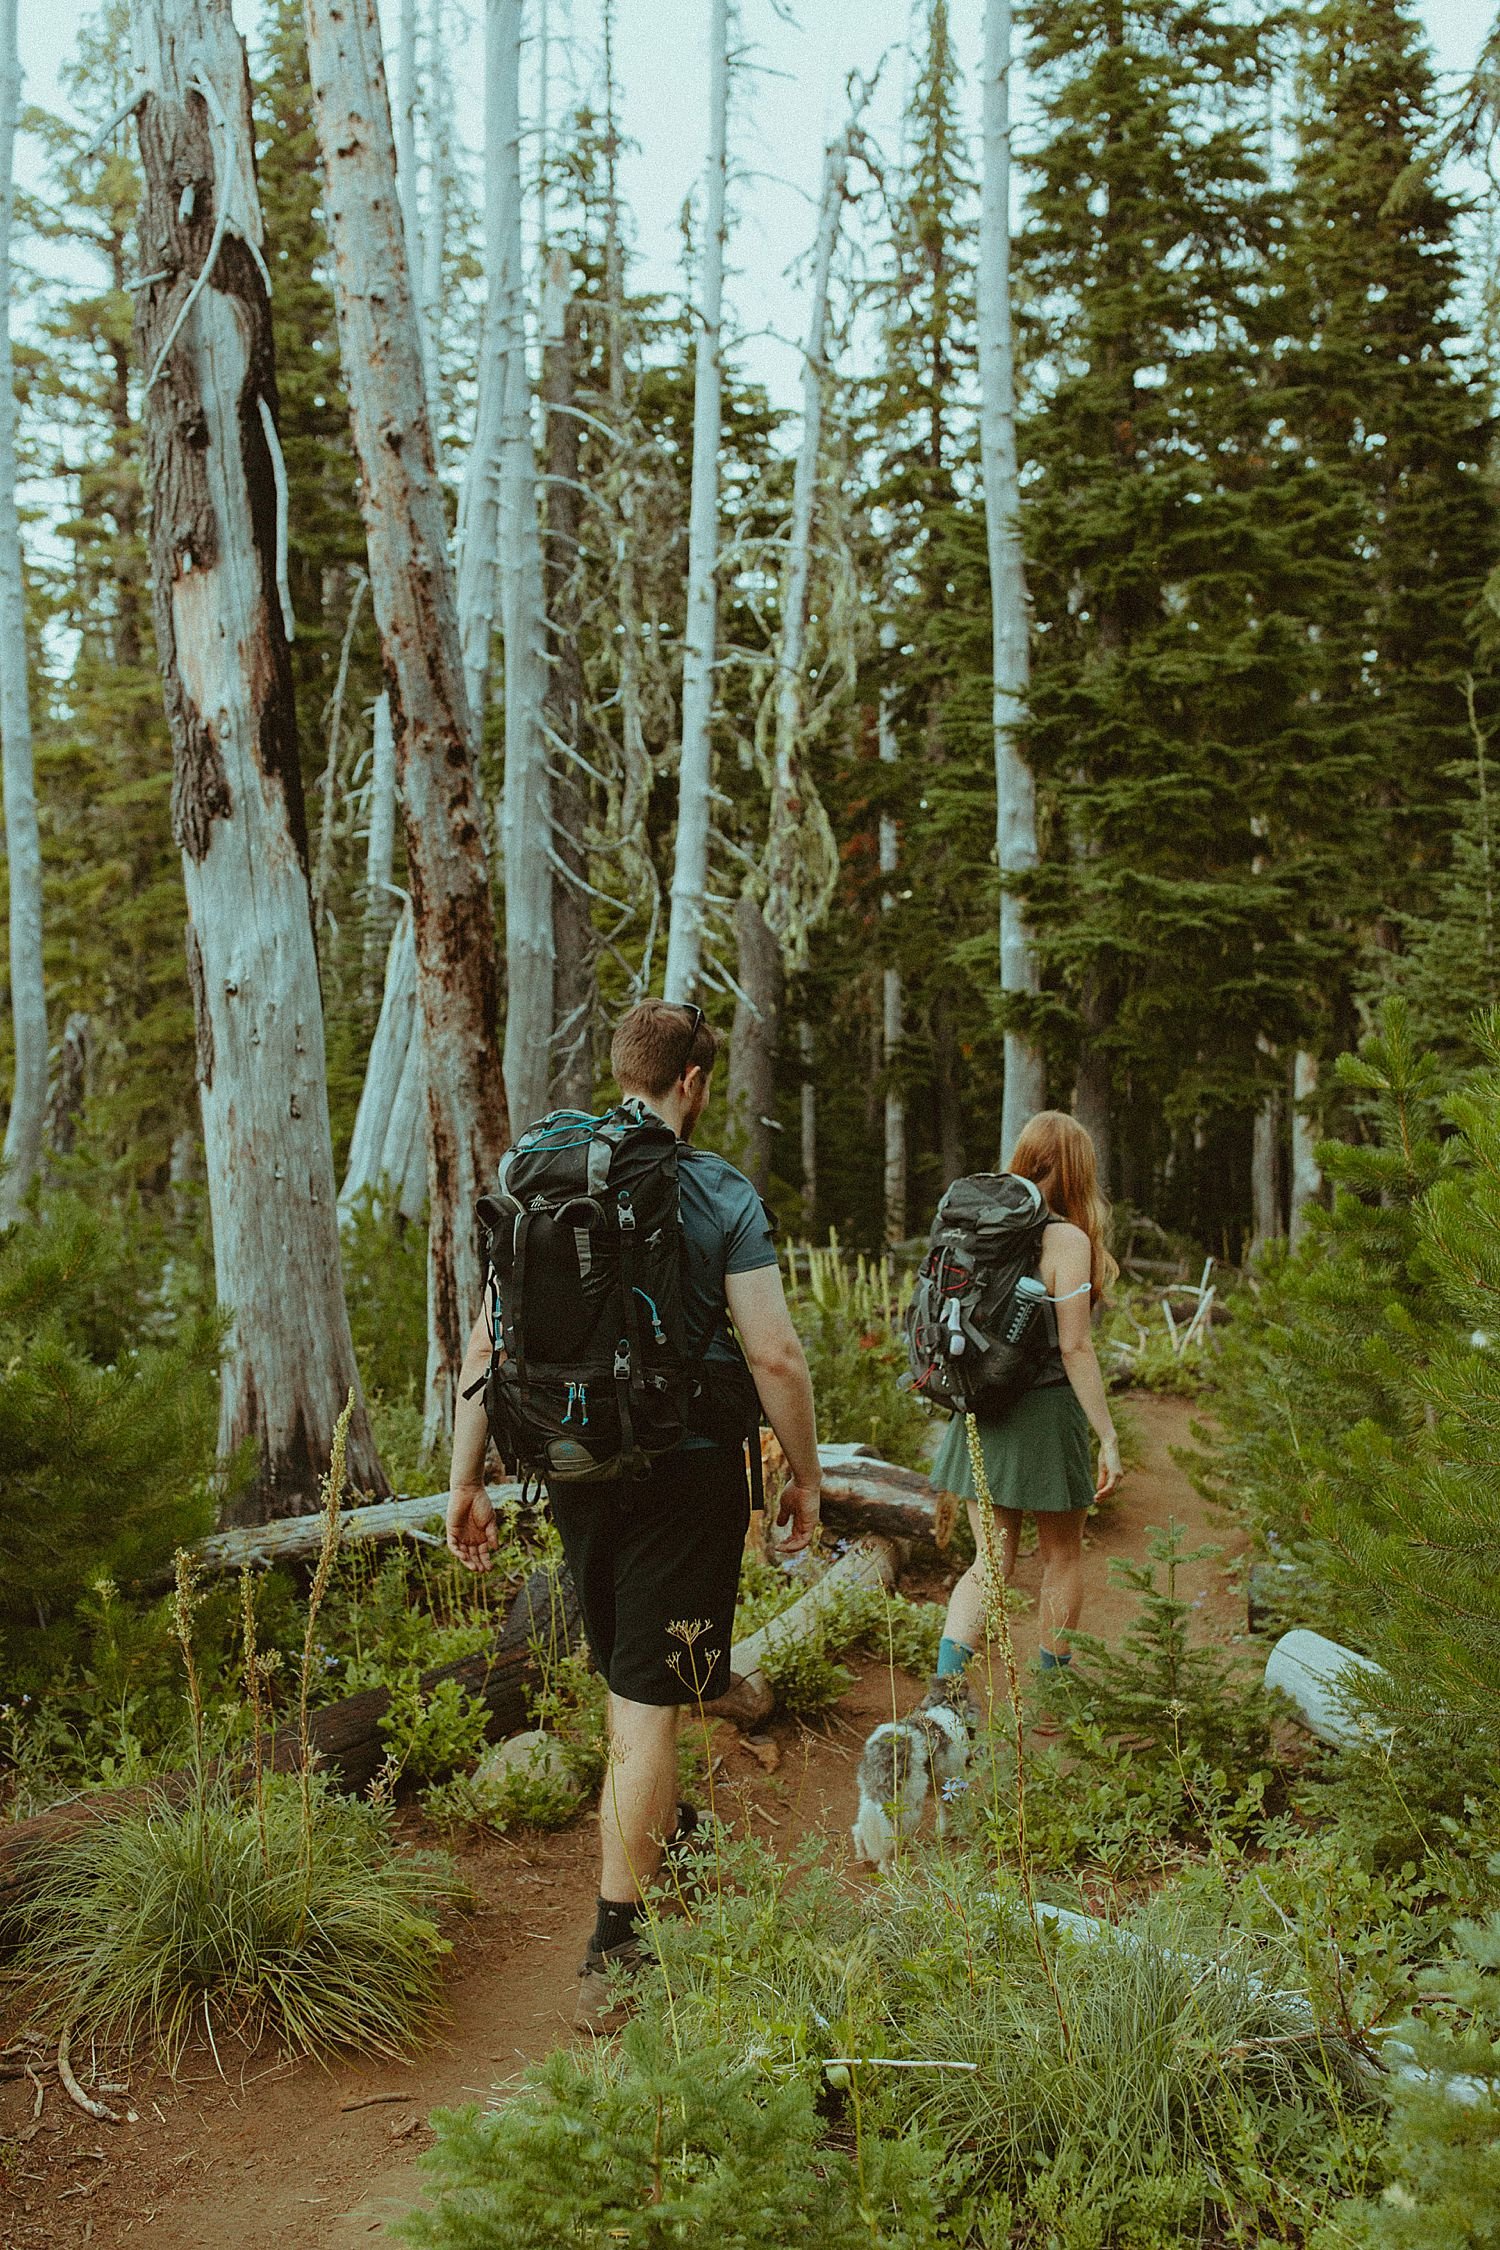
(333, 1492)
(992, 1579)
(184, 1602)
(254, 1682)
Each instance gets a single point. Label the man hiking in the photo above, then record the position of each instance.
(655, 1555)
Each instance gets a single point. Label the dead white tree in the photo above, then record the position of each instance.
(1307, 1172)
(1010, 629)
(800, 864)
(218, 538)
(438, 115)
(695, 766)
(23, 849)
(387, 1149)
(530, 948)
(412, 587)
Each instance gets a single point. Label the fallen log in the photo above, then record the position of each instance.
(860, 1494)
(872, 1561)
(1323, 1680)
(345, 1737)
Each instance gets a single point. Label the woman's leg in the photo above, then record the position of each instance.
(964, 1625)
(1060, 1544)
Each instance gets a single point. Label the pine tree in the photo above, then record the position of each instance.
(1164, 676)
(1389, 431)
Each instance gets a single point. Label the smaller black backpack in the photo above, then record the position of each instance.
(980, 1318)
(590, 1377)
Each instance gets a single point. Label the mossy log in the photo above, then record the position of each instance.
(346, 1738)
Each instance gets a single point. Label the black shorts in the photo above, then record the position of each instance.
(656, 1562)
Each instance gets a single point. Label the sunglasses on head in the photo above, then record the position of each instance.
(696, 1020)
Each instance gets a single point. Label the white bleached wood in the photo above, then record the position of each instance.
(1318, 1675)
(530, 946)
(380, 843)
(1307, 1172)
(684, 968)
(23, 850)
(406, 128)
(1015, 790)
(226, 677)
(801, 861)
(872, 1561)
(434, 219)
(377, 1158)
(412, 589)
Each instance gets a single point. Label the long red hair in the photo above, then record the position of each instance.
(1056, 1152)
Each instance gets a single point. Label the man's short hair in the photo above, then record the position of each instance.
(651, 1047)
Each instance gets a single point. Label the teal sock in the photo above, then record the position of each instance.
(953, 1656)
(1051, 1663)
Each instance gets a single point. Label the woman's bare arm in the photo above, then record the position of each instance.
(1066, 1271)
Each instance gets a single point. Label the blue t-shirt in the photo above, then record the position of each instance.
(725, 1230)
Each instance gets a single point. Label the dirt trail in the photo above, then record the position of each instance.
(270, 2155)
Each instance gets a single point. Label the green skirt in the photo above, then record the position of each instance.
(1037, 1456)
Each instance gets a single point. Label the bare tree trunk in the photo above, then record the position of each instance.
(1307, 1173)
(801, 861)
(70, 1088)
(753, 1044)
(892, 1010)
(695, 769)
(809, 1123)
(380, 838)
(457, 977)
(574, 1002)
(396, 1033)
(213, 471)
(435, 213)
(1015, 791)
(1265, 1203)
(23, 846)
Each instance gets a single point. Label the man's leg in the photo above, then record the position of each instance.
(638, 1804)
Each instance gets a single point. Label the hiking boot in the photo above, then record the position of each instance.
(605, 2000)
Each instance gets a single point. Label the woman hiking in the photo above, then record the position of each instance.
(1036, 1453)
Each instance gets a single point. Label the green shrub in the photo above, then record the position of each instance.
(651, 2146)
(385, 1286)
(571, 1704)
(807, 1680)
(848, 1315)
(889, 1625)
(1442, 2157)
(107, 1425)
(517, 1799)
(432, 1731)
(243, 1910)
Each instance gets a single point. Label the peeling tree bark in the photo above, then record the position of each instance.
(387, 1150)
(211, 457)
(1015, 791)
(23, 849)
(457, 978)
(684, 969)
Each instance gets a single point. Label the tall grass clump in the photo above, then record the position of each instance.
(257, 1903)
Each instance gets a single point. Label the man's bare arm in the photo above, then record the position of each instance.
(773, 1349)
(471, 1515)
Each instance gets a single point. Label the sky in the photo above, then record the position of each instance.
(789, 98)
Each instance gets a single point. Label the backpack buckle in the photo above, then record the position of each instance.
(622, 1361)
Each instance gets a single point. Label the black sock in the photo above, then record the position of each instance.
(617, 1923)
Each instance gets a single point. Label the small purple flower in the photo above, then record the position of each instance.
(953, 1789)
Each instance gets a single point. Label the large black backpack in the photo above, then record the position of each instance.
(590, 1376)
(980, 1318)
